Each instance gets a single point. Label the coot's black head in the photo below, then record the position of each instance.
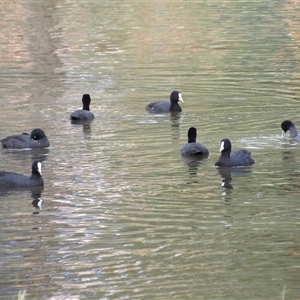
(37, 168)
(176, 97)
(225, 146)
(192, 135)
(286, 125)
(37, 134)
(86, 101)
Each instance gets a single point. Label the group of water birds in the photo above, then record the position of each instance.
(241, 157)
(38, 139)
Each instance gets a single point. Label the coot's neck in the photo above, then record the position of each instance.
(38, 181)
(293, 131)
(191, 139)
(36, 175)
(86, 106)
(225, 154)
(175, 106)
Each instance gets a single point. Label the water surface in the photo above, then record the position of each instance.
(123, 215)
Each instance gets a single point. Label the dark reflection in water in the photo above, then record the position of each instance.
(227, 173)
(36, 194)
(175, 118)
(193, 164)
(80, 122)
(86, 127)
(35, 154)
(110, 238)
(226, 177)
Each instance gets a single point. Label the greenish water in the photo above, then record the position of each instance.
(123, 215)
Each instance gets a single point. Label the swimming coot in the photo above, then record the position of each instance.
(166, 106)
(37, 139)
(289, 126)
(192, 148)
(14, 180)
(83, 114)
(241, 157)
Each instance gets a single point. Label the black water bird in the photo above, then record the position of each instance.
(193, 148)
(289, 126)
(15, 180)
(241, 157)
(84, 114)
(37, 139)
(166, 106)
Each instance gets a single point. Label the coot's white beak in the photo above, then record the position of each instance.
(39, 166)
(221, 147)
(180, 98)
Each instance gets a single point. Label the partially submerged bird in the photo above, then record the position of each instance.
(37, 139)
(192, 148)
(84, 114)
(166, 106)
(289, 126)
(241, 157)
(15, 180)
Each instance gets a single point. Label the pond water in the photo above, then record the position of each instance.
(123, 215)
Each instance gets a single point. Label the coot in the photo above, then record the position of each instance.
(166, 106)
(37, 139)
(15, 180)
(84, 114)
(289, 126)
(241, 157)
(192, 148)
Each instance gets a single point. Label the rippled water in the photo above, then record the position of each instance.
(123, 215)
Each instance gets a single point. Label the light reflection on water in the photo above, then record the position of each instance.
(123, 215)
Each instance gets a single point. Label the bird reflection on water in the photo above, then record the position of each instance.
(86, 128)
(36, 194)
(175, 118)
(227, 174)
(193, 164)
